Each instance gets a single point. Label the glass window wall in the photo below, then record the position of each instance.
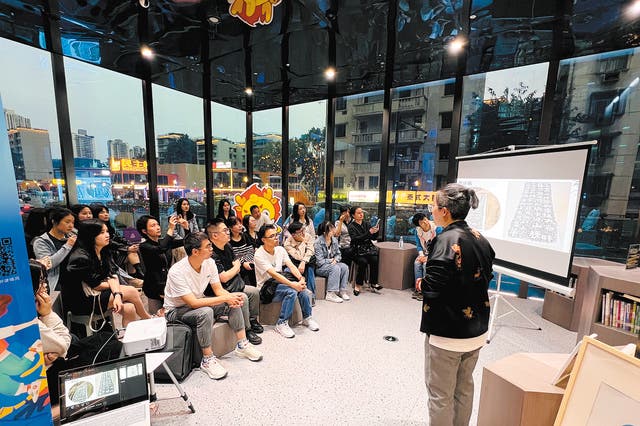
(179, 126)
(29, 106)
(267, 157)
(307, 162)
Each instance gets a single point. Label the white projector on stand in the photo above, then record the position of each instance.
(145, 336)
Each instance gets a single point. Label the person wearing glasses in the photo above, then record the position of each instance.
(299, 247)
(425, 232)
(184, 300)
(455, 309)
(270, 261)
(229, 269)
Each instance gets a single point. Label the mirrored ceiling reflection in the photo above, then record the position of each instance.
(506, 33)
(424, 29)
(23, 21)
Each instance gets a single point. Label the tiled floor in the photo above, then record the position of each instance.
(346, 373)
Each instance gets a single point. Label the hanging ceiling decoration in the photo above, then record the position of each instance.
(253, 12)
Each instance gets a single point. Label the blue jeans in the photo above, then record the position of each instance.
(309, 277)
(337, 276)
(287, 296)
(418, 270)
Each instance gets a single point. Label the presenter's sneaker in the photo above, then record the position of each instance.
(310, 324)
(332, 297)
(284, 330)
(256, 327)
(252, 337)
(344, 295)
(213, 368)
(249, 352)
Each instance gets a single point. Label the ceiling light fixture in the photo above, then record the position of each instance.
(633, 10)
(330, 73)
(456, 45)
(248, 91)
(146, 52)
(214, 20)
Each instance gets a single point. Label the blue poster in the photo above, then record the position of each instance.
(24, 395)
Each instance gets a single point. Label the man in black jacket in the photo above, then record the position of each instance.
(455, 310)
(229, 273)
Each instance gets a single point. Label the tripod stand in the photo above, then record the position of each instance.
(498, 297)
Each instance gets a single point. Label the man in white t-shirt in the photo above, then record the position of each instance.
(269, 262)
(184, 300)
(262, 218)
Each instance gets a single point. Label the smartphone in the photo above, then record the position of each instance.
(377, 223)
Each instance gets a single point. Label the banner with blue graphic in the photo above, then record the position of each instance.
(24, 395)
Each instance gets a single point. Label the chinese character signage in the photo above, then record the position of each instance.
(128, 165)
(24, 394)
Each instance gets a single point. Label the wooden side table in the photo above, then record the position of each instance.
(395, 265)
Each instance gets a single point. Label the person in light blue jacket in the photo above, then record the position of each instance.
(327, 251)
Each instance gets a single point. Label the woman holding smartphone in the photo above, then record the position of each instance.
(55, 245)
(364, 253)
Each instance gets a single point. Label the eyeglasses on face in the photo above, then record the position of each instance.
(224, 231)
(272, 236)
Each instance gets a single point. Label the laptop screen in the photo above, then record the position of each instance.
(102, 387)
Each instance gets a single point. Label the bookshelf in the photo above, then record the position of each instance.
(612, 282)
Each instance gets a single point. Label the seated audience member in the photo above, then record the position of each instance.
(229, 273)
(186, 218)
(54, 246)
(156, 255)
(121, 250)
(55, 337)
(425, 232)
(262, 218)
(251, 230)
(90, 286)
(225, 211)
(35, 225)
(81, 212)
(299, 247)
(342, 234)
(328, 263)
(243, 250)
(363, 251)
(299, 215)
(270, 259)
(184, 300)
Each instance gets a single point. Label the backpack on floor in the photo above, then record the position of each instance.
(180, 341)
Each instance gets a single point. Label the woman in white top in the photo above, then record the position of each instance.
(299, 214)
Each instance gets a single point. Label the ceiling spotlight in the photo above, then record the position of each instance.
(248, 91)
(146, 52)
(633, 10)
(472, 17)
(330, 73)
(214, 20)
(456, 45)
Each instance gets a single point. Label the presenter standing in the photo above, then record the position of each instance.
(455, 307)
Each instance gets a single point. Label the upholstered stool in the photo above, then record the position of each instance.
(223, 339)
(321, 287)
(270, 313)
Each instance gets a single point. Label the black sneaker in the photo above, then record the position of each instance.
(419, 297)
(253, 338)
(256, 327)
(415, 294)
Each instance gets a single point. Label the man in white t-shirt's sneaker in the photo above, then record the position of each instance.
(270, 259)
(184, 300)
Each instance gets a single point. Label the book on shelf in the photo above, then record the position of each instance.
(620, 311)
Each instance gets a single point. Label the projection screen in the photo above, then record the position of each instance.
(529, 205)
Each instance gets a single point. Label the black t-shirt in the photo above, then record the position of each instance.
(224, 258)
(56, 242)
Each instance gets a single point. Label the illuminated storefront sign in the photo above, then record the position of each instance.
(128, 165)
(402, 197)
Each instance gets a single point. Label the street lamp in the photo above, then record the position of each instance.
(416, 184)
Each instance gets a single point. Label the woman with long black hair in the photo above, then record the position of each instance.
(182, 211)
(363, 251)
(225, 212)
(250, 225)
(299, 214)
(90, 284)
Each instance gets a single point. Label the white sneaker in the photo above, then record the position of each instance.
(344, 295)
(213, 368)
(249, 352)
(284, 330)
(332, 297)
(311, 324)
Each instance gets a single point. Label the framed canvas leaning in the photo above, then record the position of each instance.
(603, 388)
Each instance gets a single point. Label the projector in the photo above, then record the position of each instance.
(145, 336)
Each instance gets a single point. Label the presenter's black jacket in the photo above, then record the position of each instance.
(156, 258)
(454, 288)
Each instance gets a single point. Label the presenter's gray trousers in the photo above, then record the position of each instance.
(203, 318)
(449, 379)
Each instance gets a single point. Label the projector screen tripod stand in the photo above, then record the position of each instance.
(497, 298)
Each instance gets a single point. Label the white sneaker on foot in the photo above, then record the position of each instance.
(311, 324)
(213, 368)
(284, 330)
(249, 352)
(344, 295)
(332, 297)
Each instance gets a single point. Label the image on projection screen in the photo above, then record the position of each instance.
(535, 212)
